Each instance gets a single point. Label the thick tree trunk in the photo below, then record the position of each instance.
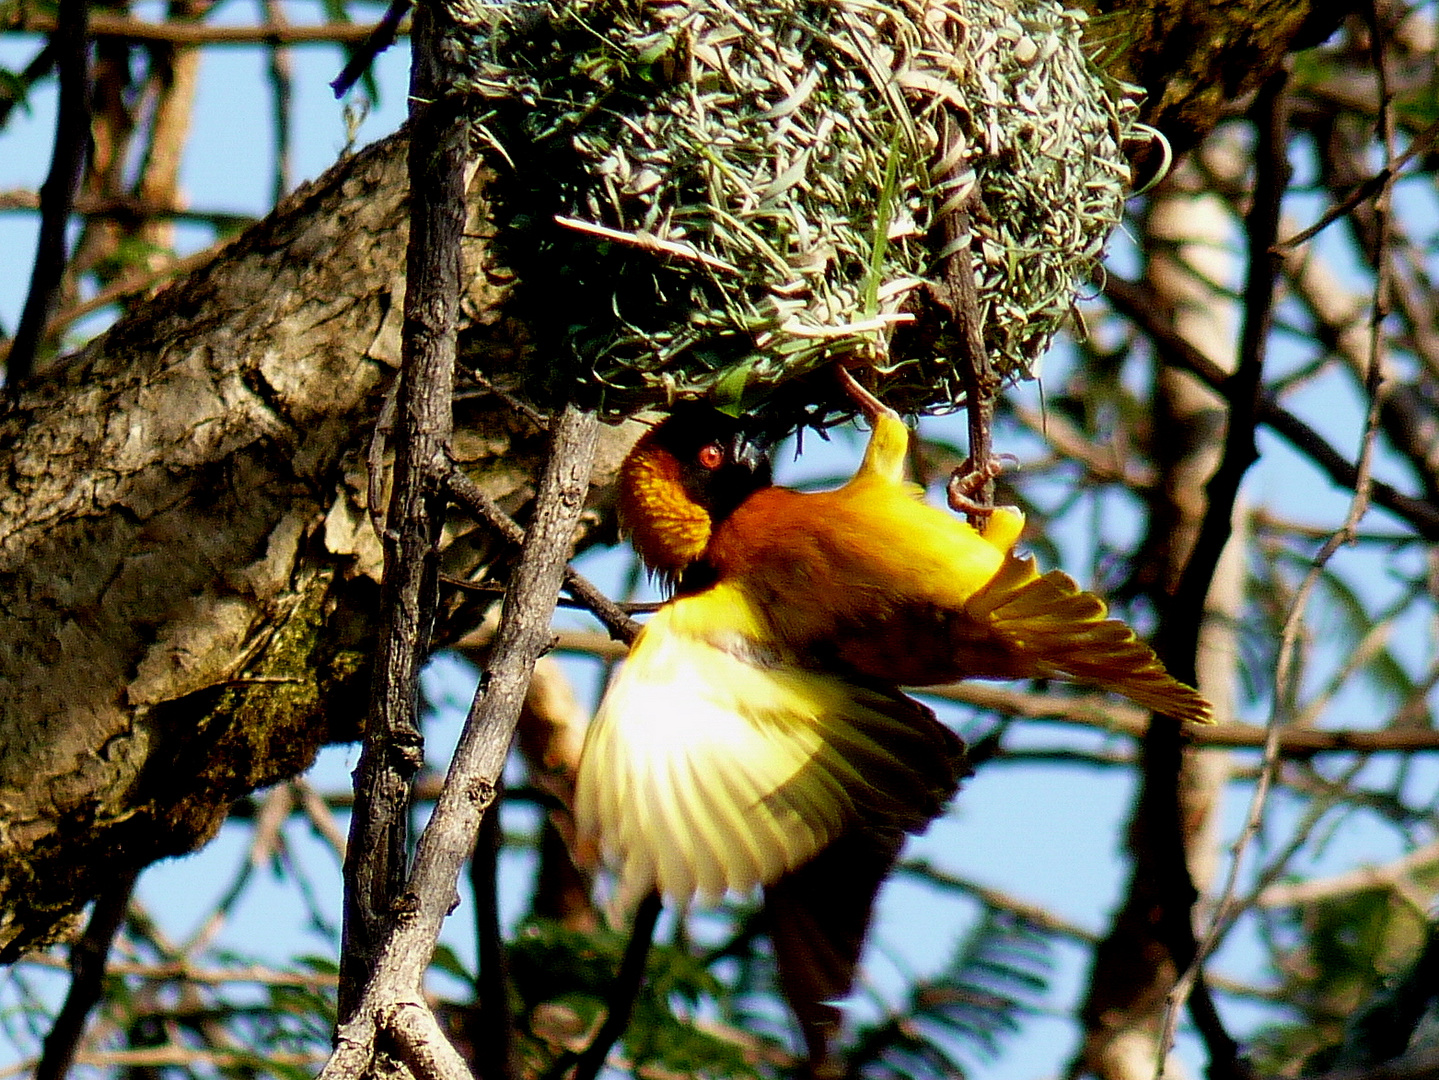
(187, 560)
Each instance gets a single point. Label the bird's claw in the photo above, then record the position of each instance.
(969, 480)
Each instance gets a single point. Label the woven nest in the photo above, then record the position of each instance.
(719, 197)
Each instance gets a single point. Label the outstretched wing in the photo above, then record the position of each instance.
(713, 767)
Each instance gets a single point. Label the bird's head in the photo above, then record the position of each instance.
(681, 480)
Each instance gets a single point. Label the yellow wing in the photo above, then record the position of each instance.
(713, 767)
(905, 592)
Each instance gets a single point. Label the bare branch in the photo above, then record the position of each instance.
(449, 839)
(29, 21)
(972, 489)
(183, 971)
(87, 968)
(57, 194)
(381, 36)
(1132, 302)
(1361, 879)
(1371, 188)
(491, 1031)
(469, 494)
(1284, 675)
(393, 751)
(626, 989)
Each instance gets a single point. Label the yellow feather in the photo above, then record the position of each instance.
(884, 457)
(712, 767)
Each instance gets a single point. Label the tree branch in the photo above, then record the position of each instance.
(381, 36)
(1133, 302)
(491, 1029)
(57, 194)
(472, 497)
(394, 749)
(38, 67)
(474, 772)
(626, 989)
(87, 970)
(970, 490)
(123, 28)
(1178, 639)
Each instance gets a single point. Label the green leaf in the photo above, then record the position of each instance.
(999, 974)
(446, 960)
(729, 389)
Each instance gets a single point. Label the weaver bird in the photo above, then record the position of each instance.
(757, 734)
(758, 716)
(720, 758)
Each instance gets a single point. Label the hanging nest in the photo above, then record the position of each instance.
(711, 198)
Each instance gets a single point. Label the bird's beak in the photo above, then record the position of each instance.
(751, 452)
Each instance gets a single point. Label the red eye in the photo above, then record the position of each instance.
(711, 456)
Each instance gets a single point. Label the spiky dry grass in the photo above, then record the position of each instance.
(724, 195)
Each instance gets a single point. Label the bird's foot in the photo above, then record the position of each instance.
(970, 480)
(870, 405)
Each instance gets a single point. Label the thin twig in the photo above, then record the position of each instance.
(381, 36)
(265, 839)
(1284, 673)
(522, 408)
(1361, 879)
(87, 981)
(1380, 182)
(649, 242)
(174, 1054)
(281, 94)
(970, 489)
(184, 971)
(469, 495)
(312, 804)
(57, 194)
(1132, 301)
(623, 994)
(31, 21)
(39, 66)
(1032, 913)
(127, 287)
(128, 207)
(1118, 717)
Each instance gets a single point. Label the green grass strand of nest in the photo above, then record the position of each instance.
(695, 187)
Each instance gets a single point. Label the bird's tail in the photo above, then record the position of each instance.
(1056, 629)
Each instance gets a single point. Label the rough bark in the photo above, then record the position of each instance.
(186, 557)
